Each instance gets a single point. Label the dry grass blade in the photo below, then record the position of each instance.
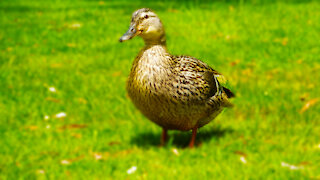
(308, 104)
(74, 126)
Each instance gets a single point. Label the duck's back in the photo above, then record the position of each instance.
(176, 92)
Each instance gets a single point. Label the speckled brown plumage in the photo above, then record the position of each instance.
(175, 92)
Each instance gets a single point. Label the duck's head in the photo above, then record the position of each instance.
(145, 23)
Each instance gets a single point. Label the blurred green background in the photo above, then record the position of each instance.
(64, 113)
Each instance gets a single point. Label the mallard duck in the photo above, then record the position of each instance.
(175, 92)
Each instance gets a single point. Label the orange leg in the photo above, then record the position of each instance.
(193, 137)
(164, 136)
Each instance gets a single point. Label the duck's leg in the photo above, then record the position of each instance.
(193, 137)
(164, 136)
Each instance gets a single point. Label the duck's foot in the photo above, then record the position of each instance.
(164, 137)
(193, 137)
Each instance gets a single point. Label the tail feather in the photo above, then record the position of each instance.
(228, 92)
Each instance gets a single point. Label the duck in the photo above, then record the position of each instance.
(175, 92)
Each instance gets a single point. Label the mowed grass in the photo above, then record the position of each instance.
(269, 52)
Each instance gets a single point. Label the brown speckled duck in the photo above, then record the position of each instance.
(175, 92)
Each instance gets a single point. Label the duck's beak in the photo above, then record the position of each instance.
(129, 34)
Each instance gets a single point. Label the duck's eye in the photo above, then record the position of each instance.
(146, 16)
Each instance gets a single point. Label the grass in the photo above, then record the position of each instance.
(268, 50)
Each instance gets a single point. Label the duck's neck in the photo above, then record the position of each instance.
(155, 41)
(154, 51)
(151, 63)
(154, 55)
(157, 45)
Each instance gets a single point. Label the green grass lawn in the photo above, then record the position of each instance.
(269, 52)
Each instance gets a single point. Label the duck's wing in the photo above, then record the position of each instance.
(196, 81)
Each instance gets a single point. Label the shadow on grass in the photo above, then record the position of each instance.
(179, 138)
